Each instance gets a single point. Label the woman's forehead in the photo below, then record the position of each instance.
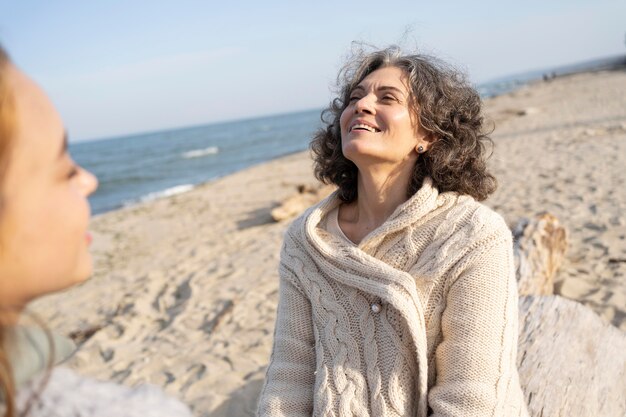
(386, 77)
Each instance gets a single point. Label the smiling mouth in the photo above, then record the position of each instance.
(365, 128)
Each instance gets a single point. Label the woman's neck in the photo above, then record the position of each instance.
(380, 192)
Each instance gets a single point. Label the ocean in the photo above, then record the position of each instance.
(144, 167)
(148, 166)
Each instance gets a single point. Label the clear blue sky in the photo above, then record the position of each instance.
(118, 67)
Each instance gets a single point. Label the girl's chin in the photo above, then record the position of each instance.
(83, 271)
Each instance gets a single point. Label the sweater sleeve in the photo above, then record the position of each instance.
(476, 359)
(288, 389)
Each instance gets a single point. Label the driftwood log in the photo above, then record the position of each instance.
(571, 362)
(539, 246)
(306, 196)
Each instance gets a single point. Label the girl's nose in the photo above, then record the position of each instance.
(88, 181)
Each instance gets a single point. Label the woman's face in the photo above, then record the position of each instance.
(377, 126)
(44, 212)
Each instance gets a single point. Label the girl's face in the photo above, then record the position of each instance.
(44, 212)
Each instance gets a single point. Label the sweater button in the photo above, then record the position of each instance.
(375, 308)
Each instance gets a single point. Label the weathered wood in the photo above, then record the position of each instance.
(307, 196)
(571, 362)
(539, 245)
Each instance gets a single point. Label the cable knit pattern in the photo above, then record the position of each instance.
(419, 319)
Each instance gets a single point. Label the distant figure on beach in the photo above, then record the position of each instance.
(44, 215)
(397, 292)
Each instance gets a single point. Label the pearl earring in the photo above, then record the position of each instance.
(420, 149)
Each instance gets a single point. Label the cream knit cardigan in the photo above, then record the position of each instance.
(419, 319)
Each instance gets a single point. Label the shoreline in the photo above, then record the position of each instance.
(185, 188)
(509, 84)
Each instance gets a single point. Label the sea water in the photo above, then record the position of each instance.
(144, 167)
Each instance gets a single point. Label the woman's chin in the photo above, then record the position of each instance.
(358, 150)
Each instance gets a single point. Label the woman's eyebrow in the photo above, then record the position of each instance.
(381, 88)
(392, 88)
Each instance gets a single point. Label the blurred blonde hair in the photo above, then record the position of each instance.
(7, 121)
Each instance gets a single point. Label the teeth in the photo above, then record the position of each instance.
(366, 127)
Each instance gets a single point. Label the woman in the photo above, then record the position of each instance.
(397, 292)
(44, 215)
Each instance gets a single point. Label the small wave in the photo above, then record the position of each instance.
(264, 128)
(197, 153)
(167, 192)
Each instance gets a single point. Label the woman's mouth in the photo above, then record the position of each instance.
(364, 127)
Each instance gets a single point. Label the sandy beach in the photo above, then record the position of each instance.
(185, 288)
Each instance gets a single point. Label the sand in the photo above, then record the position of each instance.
(185, 288)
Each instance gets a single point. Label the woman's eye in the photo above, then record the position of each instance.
(73, 172)
(389, 98)
(354, 98)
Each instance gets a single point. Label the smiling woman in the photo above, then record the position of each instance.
(397, 292)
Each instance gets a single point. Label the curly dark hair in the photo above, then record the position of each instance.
(444, 103)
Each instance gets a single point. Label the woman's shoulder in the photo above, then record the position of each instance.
(489, 218)
(473, 219)
(464, 231)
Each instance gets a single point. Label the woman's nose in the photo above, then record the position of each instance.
(364, 105)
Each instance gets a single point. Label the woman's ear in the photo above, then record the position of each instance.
(425, 142)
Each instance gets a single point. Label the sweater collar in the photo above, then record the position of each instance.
(425, 200)
(32, 349)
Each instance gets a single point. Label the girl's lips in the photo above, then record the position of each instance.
(88, 238)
